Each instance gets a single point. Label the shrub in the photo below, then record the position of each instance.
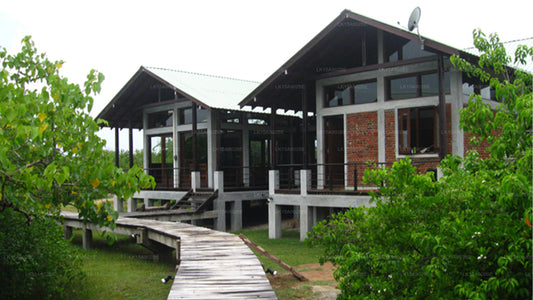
(35, 259)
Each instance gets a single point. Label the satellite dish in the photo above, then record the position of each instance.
(413, 19)
(413, 23)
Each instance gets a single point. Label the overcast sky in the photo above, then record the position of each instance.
(240, 39)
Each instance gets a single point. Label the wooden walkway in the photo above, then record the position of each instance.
(214, 264)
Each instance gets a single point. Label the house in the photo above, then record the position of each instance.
(196, 140)
(366, 92)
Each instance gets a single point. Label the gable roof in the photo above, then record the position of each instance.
(335, 48)
(152, 86)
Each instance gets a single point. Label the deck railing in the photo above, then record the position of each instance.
(337, 176)
(237, 177)
(170, 178)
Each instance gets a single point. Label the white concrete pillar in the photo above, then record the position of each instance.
(132, 204)
(195, 180)
(306, 220)
(381, 136)
(118, 204)
(218, 179)
(305, 176)
(86, 238)
(273, 181)
(274, 220)
(220, 204)
(245, 154)
(236, 215)
(148, 202)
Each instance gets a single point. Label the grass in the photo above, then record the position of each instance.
(289, 248)
(124, 270)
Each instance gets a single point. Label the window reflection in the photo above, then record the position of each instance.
(351, 93)
(185, 115)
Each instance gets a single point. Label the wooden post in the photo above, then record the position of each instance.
(443, 134)
(117, 147)
(273, 138)
(67, 232)
(131, 143)
(194, 137)
(304, 126)
(273, 258)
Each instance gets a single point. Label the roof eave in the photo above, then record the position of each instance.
(249, 99)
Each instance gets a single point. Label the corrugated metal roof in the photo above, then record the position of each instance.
(213, 91)
(510, 48)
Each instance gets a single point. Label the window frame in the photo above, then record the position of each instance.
(410, 150)
(418, 76)
(351, 86)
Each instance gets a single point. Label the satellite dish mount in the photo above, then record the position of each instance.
(413, 23)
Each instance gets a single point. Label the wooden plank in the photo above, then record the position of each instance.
(214, 265)
(273, 258)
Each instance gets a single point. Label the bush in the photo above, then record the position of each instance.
(469, 235)
(35, 260)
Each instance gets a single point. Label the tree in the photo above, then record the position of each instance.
(467, 235)
(124, 160)
(50, 155)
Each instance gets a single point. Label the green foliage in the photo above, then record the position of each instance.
(36, 262)
(468, 235)
(50, 155)
(124, 158)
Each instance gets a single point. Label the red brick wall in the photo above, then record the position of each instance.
(361, 142)
(482, 148)
(390, 136)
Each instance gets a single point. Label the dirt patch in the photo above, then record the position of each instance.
(317, 272)
(321, 284)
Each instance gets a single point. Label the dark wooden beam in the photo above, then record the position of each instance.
(363, 47)
(273, 162)
(443, 136)
(117, 147)
(375, 67)
(131, 144)
(194, 137)
(218, 119)
(304, 126)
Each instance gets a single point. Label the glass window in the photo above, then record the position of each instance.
(402, 88)
(365, 92)
(185, 115)
(430, 84)
(420, 85)
(417, 130)
(397, 48)
(338, 95)
(351, 93)
(482, 89)
(160, 119)
(257, 121)
(230, 117)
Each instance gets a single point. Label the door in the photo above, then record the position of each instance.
(161, 160)
(334, 151)
(231, 157)
(187, 157)
(259, 159)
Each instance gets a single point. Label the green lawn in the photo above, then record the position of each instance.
(123, 270)
(288, 248)
(126, 270)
